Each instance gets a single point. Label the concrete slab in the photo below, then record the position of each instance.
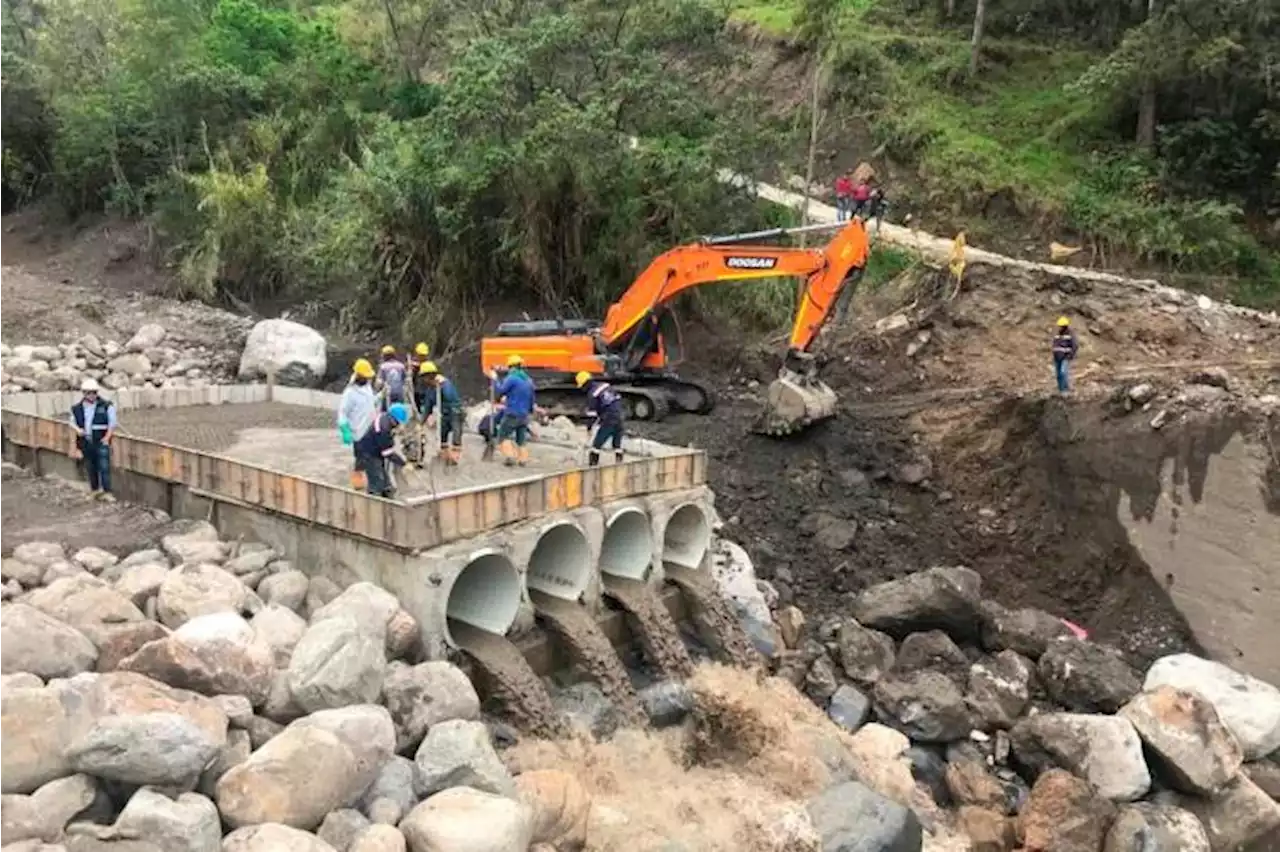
(303, 441)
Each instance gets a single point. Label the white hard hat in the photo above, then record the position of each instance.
(89, 385)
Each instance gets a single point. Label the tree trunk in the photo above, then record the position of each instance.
(951, 9)
(975, 49)
(815, 121)
(1146, 136)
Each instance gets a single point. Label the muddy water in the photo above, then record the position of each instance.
(653, 625)
(510, 679)
(716, 623)
(591, 649)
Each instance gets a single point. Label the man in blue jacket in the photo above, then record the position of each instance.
(518, 397)
(605, 408)
(377, 448)
(95, 422)
(1064, 350)
(450, 413)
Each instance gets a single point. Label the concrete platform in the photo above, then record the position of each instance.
(303, 441)
(471, 551)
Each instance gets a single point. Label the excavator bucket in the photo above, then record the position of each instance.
(795, 401)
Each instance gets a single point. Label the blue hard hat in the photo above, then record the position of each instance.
(399, 412)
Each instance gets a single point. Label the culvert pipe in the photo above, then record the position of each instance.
(560, 564)
(687, 536)
(486, 593)
(628, 545)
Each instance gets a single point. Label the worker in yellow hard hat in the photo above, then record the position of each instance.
(356, 409)
(438, 396)
(1064, 349)
(606, 412)
(519, 398)
(392, 378)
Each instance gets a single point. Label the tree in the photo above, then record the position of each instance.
(975, 44)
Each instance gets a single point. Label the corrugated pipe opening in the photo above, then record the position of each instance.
(486, 593)
(628, 545)
(687, 537)
(561, 562)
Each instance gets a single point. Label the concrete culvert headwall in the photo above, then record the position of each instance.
(687, 536)
(561, 562)
(628, 545)
(486, 593)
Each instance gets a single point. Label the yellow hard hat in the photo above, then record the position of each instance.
(428, 367)
(582, 378)
(514, 360)
(1063, 322)
(388, 350)
(422, 349)
(362, 368)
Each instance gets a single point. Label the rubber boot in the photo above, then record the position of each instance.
(617, 457)
(508, 450)
(593, 459)
(455, 456)
(487, 455)
(524, 456)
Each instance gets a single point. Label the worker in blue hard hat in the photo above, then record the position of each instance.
(377, 449)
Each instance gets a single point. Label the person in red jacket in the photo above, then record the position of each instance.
(844, 198)
(861, 198)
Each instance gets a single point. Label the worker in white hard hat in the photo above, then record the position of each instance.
(95, 421)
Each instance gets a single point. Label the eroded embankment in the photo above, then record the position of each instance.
(1153, 536)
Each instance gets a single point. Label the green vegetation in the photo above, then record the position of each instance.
(405, 160)
(1046, 122)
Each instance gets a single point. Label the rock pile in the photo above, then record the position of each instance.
(150, 358)
(206, 695)
(1041, 740)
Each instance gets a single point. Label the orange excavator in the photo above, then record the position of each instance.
(638, 345)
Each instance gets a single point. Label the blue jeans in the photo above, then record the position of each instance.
(97, 464)
(1062, 371)
(608, 432)
(377, 482)
(514, 426)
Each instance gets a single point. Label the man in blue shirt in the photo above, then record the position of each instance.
(604, 407)
(95, 422)
(518, 396)
(377, 448)
(435, 386)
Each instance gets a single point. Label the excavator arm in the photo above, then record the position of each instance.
(719, 259)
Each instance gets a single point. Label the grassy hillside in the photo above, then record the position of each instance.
(1021, 152)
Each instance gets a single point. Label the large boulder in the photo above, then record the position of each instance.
(301, 774)
(341, 827)
(1063, 813)
(1149, 827)
(337, 662)
(1250, 708)
(852, 818)
(925, 705)
(424, 695)
(1183, 731)
(370, 606)
(193, 590)
(147, 337)
(195, 544)
(286, 588)
(379, 838)
(934, 650)
(163, 749)
(212, 654)
(969, 783)
(458, 753)
(279, 629)
(45, 813)
(865, 655)
(95, 560)
(1027, 631)
(273, 837)
(39, 554)
(367, 730)
(31, 641)
(125, 640)
(141, 581)
(87, 604)
(1087, 677)
(466, 820)
(397, 782)
(24, 573)
(187, 824)
(35, 729)
(560, 804)
(280, 347)
(1104, 750)
(848, 707)
(1236, 816)
(943, 598)
(999, 690)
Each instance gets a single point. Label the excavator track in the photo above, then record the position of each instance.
(646, 403)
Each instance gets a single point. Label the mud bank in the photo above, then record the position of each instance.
(1187, 515)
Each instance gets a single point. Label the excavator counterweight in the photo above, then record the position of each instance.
(638, 344)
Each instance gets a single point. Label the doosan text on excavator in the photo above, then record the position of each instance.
(638, 345)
